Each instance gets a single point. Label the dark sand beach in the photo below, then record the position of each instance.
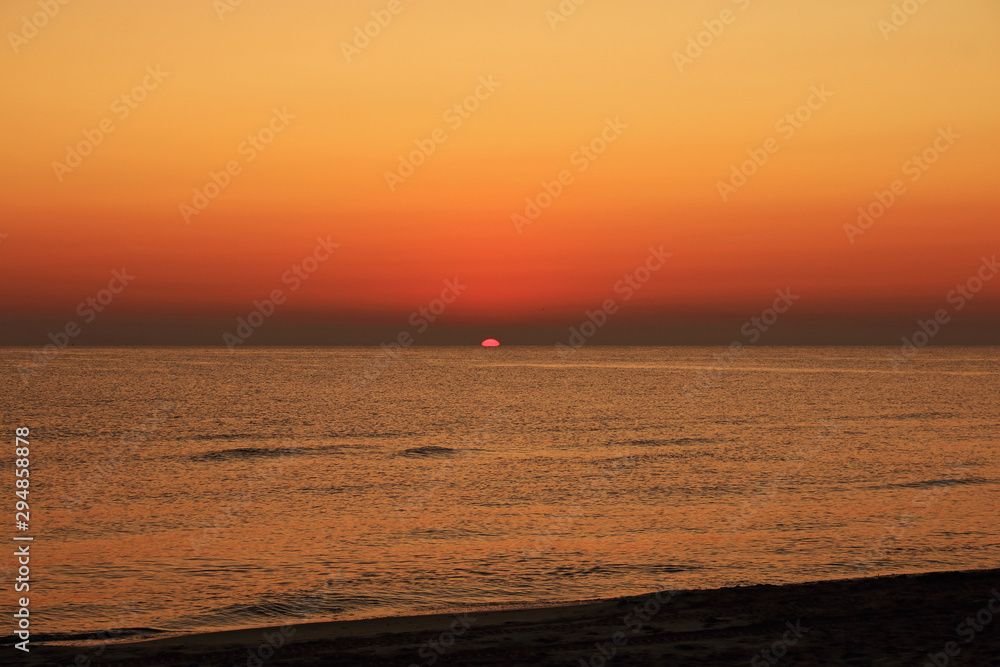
(890, 620)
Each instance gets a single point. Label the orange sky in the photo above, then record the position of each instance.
(324, 174)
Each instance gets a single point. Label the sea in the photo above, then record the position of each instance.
(178, 490)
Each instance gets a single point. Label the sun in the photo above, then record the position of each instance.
(491, 342)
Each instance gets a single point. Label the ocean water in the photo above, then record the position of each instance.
(195, 489)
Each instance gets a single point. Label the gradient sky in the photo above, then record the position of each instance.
(657, 184)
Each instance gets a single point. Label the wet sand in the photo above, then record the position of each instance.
(897, 620)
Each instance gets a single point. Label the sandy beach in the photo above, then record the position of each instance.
(937, 618)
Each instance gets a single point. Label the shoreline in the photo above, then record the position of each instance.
(891, 619)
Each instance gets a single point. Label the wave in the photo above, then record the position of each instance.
(428, 451)
(272, 609)
(246, 453)
(932, 483)
(611, 568)
(671, 441)
(632, 459)
(96, 637)
(576, 570)
(242, 453)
